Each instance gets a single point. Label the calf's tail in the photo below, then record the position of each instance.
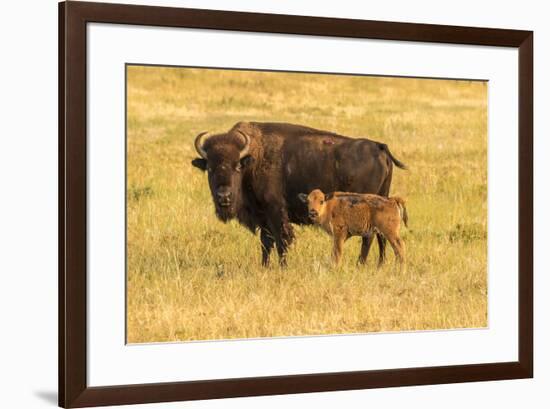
(402, 209)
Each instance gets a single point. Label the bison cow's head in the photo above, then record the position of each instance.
(225, 157)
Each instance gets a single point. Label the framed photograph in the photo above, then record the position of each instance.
(224, 175)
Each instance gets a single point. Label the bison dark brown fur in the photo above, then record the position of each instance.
(256, 171)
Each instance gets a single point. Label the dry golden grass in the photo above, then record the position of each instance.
(191, 277)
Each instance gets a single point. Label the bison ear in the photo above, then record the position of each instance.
(246, 161)
(302, 197)
(329, 196)
(199, 163)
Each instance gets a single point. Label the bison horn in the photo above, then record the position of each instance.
(246, 148)
(198, 145)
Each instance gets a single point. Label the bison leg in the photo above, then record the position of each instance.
(286, 238)
(283, 234)
(382, 249)
(365, 248)
(267, 245)
(282, 250)
(384, 191)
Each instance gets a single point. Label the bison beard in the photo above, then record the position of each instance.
(256, 171)
(225, 213)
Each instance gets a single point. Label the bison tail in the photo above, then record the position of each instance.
(402, 209)
(397, 163)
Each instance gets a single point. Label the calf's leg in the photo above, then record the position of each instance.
(398, 246)
(338, 246)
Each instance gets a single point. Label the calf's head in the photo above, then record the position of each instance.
(225, 157)
(316, 203)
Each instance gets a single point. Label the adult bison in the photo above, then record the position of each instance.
(257, 170)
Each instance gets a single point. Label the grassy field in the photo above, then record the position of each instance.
(191, 277)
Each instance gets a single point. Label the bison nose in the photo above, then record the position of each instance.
(313, 213)
(224, 196)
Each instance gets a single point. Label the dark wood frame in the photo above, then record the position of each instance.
(73, 388)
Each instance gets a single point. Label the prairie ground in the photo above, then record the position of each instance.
(191, 277)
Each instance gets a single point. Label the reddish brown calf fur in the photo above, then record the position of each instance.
(345, 214)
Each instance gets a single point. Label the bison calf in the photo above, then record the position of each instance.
(344, 214)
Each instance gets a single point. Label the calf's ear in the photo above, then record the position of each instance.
(246, 161)
(302, 197)
(328, 196)
(199, 163)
